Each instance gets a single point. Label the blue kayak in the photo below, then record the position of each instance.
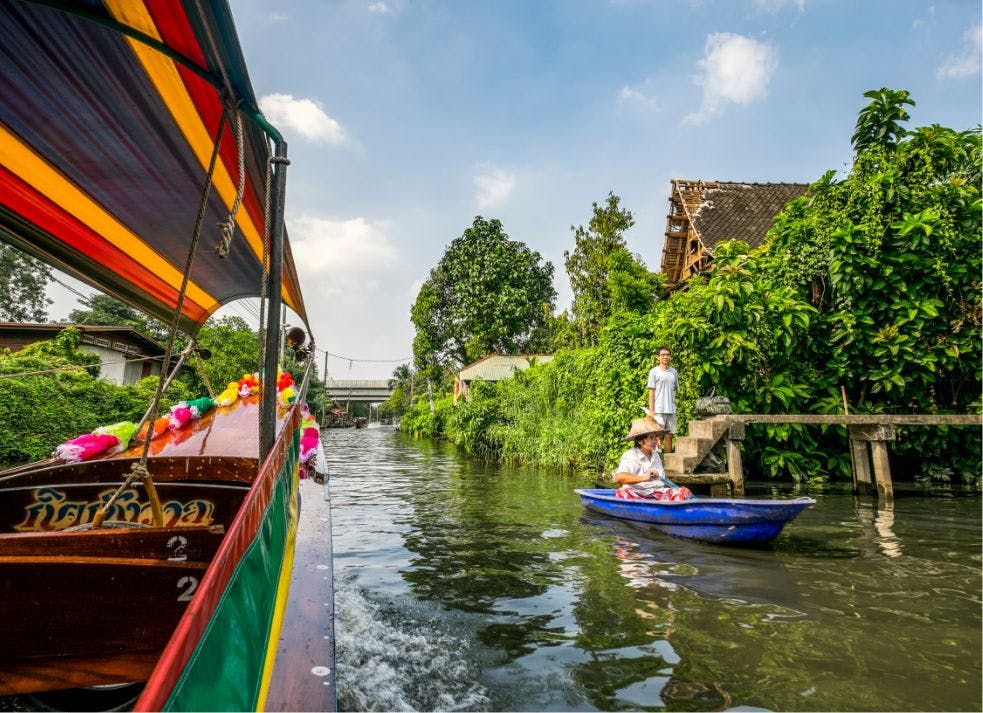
(722, 520)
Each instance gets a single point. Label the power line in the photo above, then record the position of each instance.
(371, 361)
(85, 298)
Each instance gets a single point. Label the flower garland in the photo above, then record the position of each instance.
(115, 438)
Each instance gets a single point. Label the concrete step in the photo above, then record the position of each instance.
(679, 463)
(690, 446)
(697, 478)
(707, 428)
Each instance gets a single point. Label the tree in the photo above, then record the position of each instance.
(587, 265)
(878, 124)
(108, 311)
(631, 287)
(23, 281)
(235, 351)
(402, 384)
(487, 295)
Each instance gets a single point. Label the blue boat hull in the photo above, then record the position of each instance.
(723, 520)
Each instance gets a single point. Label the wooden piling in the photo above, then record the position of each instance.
(860, 460)
(869, 436)
(735, 467)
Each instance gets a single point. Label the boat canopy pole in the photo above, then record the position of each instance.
(274, 295)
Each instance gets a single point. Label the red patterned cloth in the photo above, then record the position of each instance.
(667, 494)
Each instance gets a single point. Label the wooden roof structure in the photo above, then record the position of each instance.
(703, 214)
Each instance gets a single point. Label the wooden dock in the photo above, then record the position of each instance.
(869, 438)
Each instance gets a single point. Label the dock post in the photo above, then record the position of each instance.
(878, 435)
(735, 468)
(859, 459)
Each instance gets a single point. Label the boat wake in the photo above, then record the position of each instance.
(390, 660)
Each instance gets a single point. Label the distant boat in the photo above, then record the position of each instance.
(721, 520)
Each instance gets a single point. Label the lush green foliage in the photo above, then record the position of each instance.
(588, 265)
(404, 385)
(109, 311)
(23, 281)
(33, 406)
(488, 294)
(879, 123)
(234, 351)
(871, 283)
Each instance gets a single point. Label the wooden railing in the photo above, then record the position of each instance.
(869, 436)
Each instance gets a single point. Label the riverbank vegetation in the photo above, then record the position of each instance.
(50, 391)
(868, 286)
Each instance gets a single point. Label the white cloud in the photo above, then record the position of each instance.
(278, 17)
(775, 6)
(494, 186)
(379, 8)
(967, 62)
(638, 96)
(340, 254)
(928, 20)
(736, 69)
(304, 116)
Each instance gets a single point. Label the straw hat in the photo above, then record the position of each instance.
(642, 427)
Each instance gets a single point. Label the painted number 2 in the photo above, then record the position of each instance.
(190, 584)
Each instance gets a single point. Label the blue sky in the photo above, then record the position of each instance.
(405, 119)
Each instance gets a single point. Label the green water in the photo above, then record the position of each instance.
(467, 586)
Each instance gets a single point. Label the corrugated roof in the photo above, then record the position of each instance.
(741, 211)
(496, 367)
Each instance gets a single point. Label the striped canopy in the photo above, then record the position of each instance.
(109, 116)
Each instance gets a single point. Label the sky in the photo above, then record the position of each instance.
(405, 119)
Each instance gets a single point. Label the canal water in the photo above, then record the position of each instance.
(462, 585)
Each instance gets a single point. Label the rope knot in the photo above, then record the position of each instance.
(139, 470)
(227, 228)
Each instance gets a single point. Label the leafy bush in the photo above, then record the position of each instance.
(40, 411)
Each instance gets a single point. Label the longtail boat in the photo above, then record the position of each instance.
(128, 132)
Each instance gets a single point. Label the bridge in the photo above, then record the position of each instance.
(371, 390)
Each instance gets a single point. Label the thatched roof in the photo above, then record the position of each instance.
(703, 214)
(742, 211)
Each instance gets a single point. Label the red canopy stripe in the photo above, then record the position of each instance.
(24, 200)
(163, 74)
(173, 90)
(31, 168)
(176, 32)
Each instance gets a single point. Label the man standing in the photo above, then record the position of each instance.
(662, 384)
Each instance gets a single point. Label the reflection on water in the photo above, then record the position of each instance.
(467, 586)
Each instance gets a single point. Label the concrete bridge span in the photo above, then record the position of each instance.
(366, 390)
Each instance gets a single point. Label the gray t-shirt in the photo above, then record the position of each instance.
(664, 382)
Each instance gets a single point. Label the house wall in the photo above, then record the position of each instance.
(124, 374)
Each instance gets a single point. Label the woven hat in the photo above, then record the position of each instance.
(643, 427)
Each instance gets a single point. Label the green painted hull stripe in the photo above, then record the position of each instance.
(225, 671)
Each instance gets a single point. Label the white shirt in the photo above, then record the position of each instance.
(634, 461)
(664, 382)
(637, 463)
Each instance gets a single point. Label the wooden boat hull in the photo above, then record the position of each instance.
(720, 520)
(193, 608)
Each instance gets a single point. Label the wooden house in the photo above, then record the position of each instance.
(125, 354)
(703, 214)
(494, 367)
